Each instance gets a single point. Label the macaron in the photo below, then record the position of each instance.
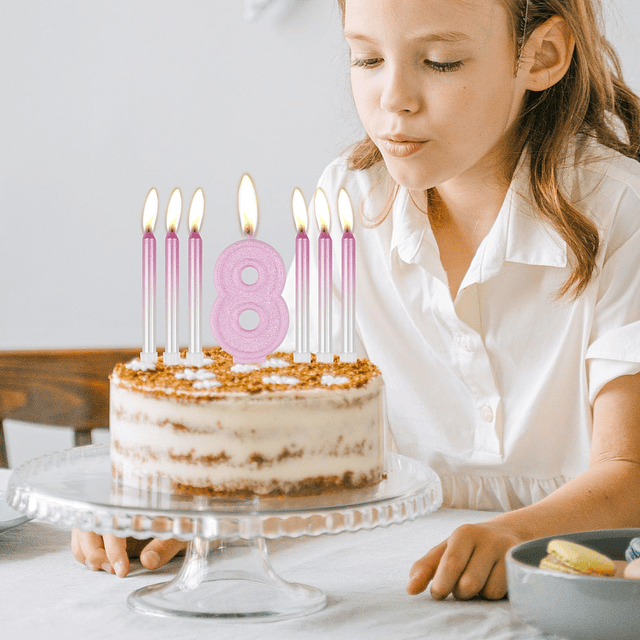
(633, 550)
(569, 557)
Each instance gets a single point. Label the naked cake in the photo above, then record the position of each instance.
(280, 428)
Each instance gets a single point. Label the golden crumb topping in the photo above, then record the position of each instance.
(219, 375)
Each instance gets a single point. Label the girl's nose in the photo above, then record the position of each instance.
(399, 93)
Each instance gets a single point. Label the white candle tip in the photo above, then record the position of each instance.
(149, 358)
(171, 358)
(194, 359)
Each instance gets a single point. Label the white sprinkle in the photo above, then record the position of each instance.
(276, 362)
(207, 361)
(244, 368)
(206, 384)
(138, 365)
(329, 379)
(195, 374)
(279, 380)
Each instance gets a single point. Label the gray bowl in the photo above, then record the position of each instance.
(571, 606)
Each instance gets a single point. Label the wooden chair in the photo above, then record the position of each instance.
(58, 388)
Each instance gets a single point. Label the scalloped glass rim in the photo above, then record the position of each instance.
(74, 489)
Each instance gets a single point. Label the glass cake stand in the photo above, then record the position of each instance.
(226, 573)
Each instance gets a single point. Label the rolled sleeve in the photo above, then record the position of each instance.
(614, 348)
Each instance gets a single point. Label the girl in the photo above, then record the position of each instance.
(498, 268)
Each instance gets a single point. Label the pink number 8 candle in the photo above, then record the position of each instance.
(325, 278)
(149, 216)
(235, 296)
(195, 356)
(299, 208)
(345, 211)
(171, 257)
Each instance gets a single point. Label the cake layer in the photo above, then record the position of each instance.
(306, 428)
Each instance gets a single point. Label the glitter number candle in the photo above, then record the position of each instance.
(149, 216)
(235, 296)
(171, 257)
(196, 213)
(301, 219)
(325, 278)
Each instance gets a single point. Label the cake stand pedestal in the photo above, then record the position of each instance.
(226, 572)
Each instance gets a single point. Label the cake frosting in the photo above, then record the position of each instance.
(228, 429)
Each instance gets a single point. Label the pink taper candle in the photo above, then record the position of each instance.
(149, 216)
(325, 278)
(172, 270)
(196, 213)
(299, 208)
(345, 211)
(235, 296)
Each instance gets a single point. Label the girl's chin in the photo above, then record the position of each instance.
(412, 180)
(416, 176)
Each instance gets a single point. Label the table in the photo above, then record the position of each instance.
(363, 574)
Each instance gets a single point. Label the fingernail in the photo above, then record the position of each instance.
(151, 560)
(90, 566)
(118, 567)
(106, 567)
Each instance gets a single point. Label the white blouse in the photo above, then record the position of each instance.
(494, 390)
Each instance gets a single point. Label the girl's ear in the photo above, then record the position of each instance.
(547, 54)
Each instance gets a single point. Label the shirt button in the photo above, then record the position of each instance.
(487, 413)
(463, 341)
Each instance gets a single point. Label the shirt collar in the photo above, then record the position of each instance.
(529, 240)
(517, 235)
(409, 226)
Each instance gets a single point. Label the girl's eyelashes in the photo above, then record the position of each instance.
(444, 67)
(440, 67)
(361, 62)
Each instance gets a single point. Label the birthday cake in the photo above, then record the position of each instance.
(280, 428)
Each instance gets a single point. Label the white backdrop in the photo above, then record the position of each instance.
(102, 100)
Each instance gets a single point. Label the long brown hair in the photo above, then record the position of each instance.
(592, 99)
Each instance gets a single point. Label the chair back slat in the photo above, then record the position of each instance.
(62, 388)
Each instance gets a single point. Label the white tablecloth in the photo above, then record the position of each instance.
(45, 593)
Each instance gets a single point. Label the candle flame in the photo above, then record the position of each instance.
(323, 215)
(174, 211)
(345, 211)
(247, 205)
(299, 208)
(150, 211)
(196, 211)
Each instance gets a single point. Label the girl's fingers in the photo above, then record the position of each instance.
(159, 552)
(477, 572)
(116, 550)
(76, 548)
(423, 570)
(460, 547)
(496, 586)
(91, 548)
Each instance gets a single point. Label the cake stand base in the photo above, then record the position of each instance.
(231, 581)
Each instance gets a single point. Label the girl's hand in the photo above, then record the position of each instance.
(112, 554)
(470, 562)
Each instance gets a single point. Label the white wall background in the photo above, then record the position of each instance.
(100, 101)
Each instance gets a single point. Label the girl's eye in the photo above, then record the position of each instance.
(444, 67)
(367, 63)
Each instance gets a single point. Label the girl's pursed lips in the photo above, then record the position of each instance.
(400, 137)
(402, 147)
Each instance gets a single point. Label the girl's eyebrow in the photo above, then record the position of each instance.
(439, 36)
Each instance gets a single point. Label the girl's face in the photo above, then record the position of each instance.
(434, 85)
